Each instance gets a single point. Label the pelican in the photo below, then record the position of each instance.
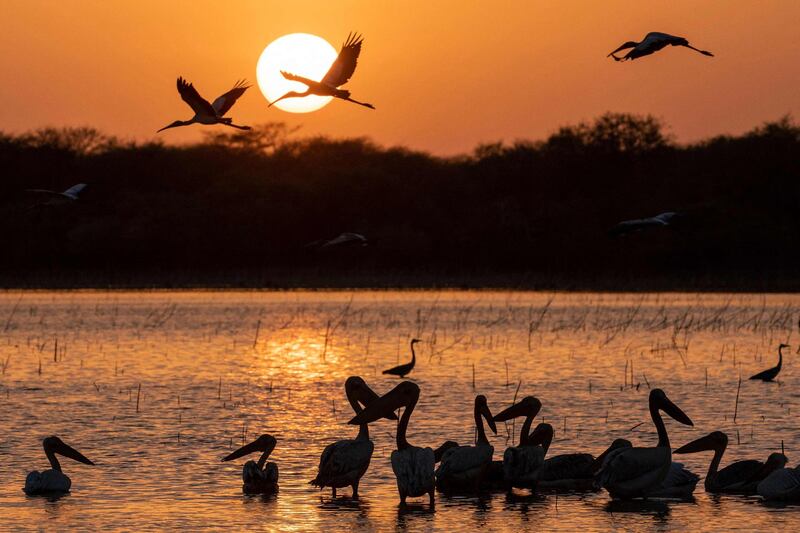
(344, 462)
(439, 452)
(258, 478)
(53, 480)
(639, 472)
(771, 373)
(59, 198)
(205, 113)
(412, 465)
(653, 42)
(520, 463)
(465, 466)
(639, 224)
(402, 371)
(781, 485)
(340, 72)
(741, 477)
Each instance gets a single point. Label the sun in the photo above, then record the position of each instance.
(299, 53)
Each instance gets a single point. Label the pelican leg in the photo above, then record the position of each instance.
(355, 490)
(334, 492)
(431, 499)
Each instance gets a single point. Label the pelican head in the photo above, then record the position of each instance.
(616, 445)
(405, 395)
(53, 445)
(482, 409)
(174, 125)
(290, 94)
(358, 391)
(265, 444)
(659, 400)
(542, 436)
(713, 441)
(528, 406)
(776, 461)
(438, 453)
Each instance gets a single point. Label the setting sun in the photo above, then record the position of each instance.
(299, 53)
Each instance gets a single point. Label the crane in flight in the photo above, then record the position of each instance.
(639, 224)
(653, 42)
(58, 198)
(340, 72)
(205, 113)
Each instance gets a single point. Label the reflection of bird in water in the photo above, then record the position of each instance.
(344, 462)
(464, 467)
(640, 224)
(412, 465)
(405, 369)
(653, 42)
(58, 198)
(640, 472)
(205, 113)
(781, 485)
(340, 72)
(520, 463)
(343, 240)
(771, 373)
(53, 480)
(740, 477)
(258, 478)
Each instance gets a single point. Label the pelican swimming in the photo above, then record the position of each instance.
(339, 73)
(58, 198)
(639, 472)
(740, 477)
(464, 467)
(781, 485)
(405, 369)
(771, 373)
(413, 466)
(653, 42)
(344, 462)
(258, 478)
(53, 480)
(205, 113)
(520, 463)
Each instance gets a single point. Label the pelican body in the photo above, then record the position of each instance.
(771, 373)
(648, 472)
(258, 477)
(339, 73)
(782, 484)
(520, 463)
(740, 477)
(345, 462)
(53, 481)
(653, 42)
(464, 467)
(413, 466)
(405, 369)
(206, 113)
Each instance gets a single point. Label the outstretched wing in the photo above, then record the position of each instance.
(294, 77)
(73, 191)
(344, 66)
(190, 95)
(223, 103)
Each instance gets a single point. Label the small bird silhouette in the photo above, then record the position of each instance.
(403, 370)
(205, 113)
(653, 42)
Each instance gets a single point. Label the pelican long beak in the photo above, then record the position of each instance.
(487, 415)
(517, 410)
(70, 452)
(264, 443)
(675, 412)
(699, 445)
(367, 396)
(383, 406)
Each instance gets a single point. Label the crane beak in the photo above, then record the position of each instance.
(699, 445)
(168, 126)
(287, 95)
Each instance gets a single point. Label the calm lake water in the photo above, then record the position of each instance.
(215, 367)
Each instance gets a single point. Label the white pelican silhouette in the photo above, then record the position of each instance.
(53, 480)
(258, 478)
(520, 463)
(205, 113)
(653, 42)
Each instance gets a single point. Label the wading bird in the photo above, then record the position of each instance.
(58, 198)
(520, 463)
(771, 373)
(205, 113)
(653, 42)
(344, 462)
(639, 224)
(402, 371)
(640, 472)
(413, 466)
(464, 467)
(53, 480)
(258, 478)
(740, 477)
(781, 485)
(340, 72)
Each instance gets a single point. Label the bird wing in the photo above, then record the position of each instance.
(190, 95)
(342, 69)
(678, 476)
(657, 36)
(45, 192)
(780, 484)
(73, 191)
(738, 473)
(224, 102)
(567, 466)
(294, 77)
(632, 463)
(464, 458)
(341, 458)
(665, 218)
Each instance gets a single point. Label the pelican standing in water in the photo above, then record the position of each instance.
(640, 472)
(53, 480)
(403, 370)
(740, 477)
(771, 373)
(464, 467)
(653, 42)
(340, 72)
(520, 463)
(205, 113)
(260, 477)
(344, 462)
(412, 465)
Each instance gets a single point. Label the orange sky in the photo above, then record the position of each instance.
(444, 74)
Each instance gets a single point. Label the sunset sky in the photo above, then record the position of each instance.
(444, 75)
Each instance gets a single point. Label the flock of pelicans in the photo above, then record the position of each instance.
(625, 471)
